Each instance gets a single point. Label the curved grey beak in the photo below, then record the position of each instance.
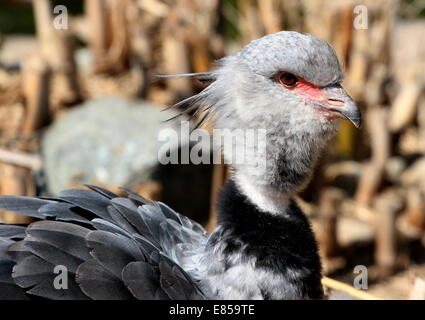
(337, 100)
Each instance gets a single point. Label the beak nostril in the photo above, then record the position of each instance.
(335, 102)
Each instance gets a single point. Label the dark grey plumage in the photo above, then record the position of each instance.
(112, 248)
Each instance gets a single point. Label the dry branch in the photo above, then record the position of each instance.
(386, 206)
(403, 109)
(372, 174)
(343, 287)
(56, 48)
(96, 24)
(328, 210)
(36, 85)
(21, 159)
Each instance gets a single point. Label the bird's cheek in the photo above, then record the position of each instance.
(309, 93)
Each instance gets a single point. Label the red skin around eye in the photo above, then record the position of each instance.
(308, 90)
(311, 92)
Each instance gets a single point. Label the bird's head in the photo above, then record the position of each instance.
(288, 77)
(288, 84)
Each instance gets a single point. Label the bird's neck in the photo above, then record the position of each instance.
(240, 203)
(266, 199)
(283, 244)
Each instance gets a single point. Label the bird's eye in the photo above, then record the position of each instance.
(288, 79)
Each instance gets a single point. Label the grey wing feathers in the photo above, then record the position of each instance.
(8, 288)
(105, 246)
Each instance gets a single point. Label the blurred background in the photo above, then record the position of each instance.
(79, 104)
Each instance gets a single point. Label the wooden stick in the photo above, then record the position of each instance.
(69, 92)
(270, 13)
(249, 19)
(412, 221)
(36, 85)
(369, 183)
(22, 159)
(372, 174)
(386, 206)
(201, 59)
(58, 51)
(15, 181)
(359, 64)
(154, 7)
(380, 137)
(403, 110)
(343, 34)
(16, 175)
(343, 287)
(328, 210)
(118, 50)
(44, 25)
(96, 24)
(175, 55)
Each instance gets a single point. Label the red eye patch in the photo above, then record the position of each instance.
(304, 88)
(308, 90)
(311, 92)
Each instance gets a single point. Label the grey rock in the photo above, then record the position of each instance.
(111, 141)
